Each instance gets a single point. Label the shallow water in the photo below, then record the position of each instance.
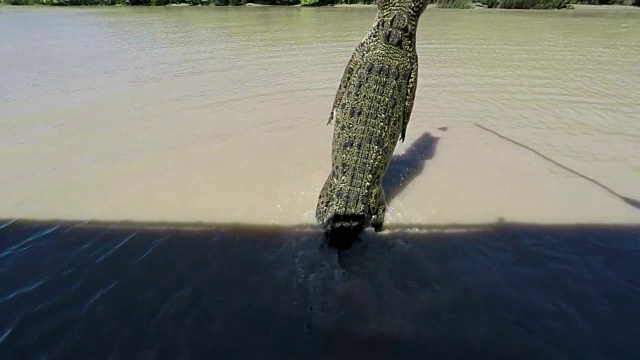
(517, 238)
(218, 115)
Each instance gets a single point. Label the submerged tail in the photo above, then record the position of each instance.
(343, 212)
(341, 231)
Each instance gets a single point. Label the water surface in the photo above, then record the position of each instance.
(218, 114)
(204, 129)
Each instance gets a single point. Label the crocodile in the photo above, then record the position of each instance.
(370, 112)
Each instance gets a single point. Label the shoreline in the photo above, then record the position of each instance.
(476, 6)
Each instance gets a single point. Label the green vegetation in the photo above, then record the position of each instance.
(527, 4)
(288, 2)
(188, 2)
(455, 4)
(103, 2)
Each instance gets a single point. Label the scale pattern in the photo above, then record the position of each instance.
(371, 111)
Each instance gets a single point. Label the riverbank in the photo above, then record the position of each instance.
(605, 7)
(613, 5)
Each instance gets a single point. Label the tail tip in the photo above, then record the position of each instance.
(342, 231)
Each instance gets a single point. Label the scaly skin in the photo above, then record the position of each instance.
(371, 112)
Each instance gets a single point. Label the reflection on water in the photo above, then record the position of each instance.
(133, 290)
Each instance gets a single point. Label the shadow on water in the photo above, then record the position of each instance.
(407, 166)
(401, 171)
(96, 290)
(633, 202)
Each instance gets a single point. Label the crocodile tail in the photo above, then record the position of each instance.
(341, 214)
(346, 222)
(343, 230)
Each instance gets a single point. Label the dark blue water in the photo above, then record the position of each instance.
(169, 291)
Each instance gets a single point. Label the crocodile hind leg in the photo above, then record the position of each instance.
(378, 209)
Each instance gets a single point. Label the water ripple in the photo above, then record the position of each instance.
(152, 247)
(19, 247)
(8, 331)
(97, 296)
(115, 248)
(23, 290)
(8, 223)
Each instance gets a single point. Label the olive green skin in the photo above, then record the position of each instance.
(371, 111)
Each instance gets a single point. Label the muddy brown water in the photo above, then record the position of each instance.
(204, 128)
